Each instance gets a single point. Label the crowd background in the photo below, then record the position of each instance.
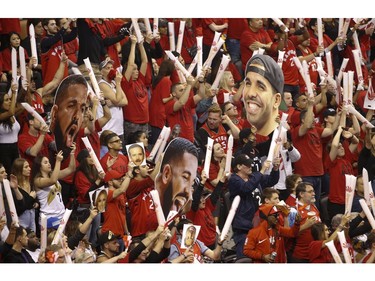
(239, 79)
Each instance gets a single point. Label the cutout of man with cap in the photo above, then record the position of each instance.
(262, 89)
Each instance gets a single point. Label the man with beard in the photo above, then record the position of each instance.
(113, 160)
(33, 245)
(176, 176)
(261, 92)
(52, 46)
(66, 120)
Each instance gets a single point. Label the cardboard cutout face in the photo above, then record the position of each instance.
(176, 176)
(136, 153)
(98, 199)
(68, 111)
(189, 235)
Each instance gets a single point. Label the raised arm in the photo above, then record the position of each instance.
(72, 164)
(117, 98)
(41, 182)
(335, 144)
(59, 75)
(144, 59)
(131, 58)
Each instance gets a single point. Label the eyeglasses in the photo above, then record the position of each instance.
(311, 191)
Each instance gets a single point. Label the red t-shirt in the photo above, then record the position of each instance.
(248, 37)
(317, 254)
(337, 181)
(208, 34)
(82, 186)
(235, 27)
(137, 109)
(311, 149)
(157, 107)
(313, 73)
(121, 164)
(114, 215)
(7, 59)
(205, 219)
(182, 117)
(94, 139)
(26, 141)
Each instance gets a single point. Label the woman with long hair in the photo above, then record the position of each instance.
(14, 42)
(9, 128)
(318, 251)
(227, 87)
(23, 194)
(46, 183)
(86, 179)
(161, 94)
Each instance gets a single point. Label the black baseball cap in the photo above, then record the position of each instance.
(272, 72)
(242, 159)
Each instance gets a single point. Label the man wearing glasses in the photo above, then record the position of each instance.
(113, 159)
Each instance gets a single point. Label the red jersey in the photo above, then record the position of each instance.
(157, 107)
(313, 72)
(142, 207)
(221, 136)
(51, 62)
(71, 50)
(289, 68)
(291, 200)
(137, 109)
(304, 238)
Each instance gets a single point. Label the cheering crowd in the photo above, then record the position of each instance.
(195, 140)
